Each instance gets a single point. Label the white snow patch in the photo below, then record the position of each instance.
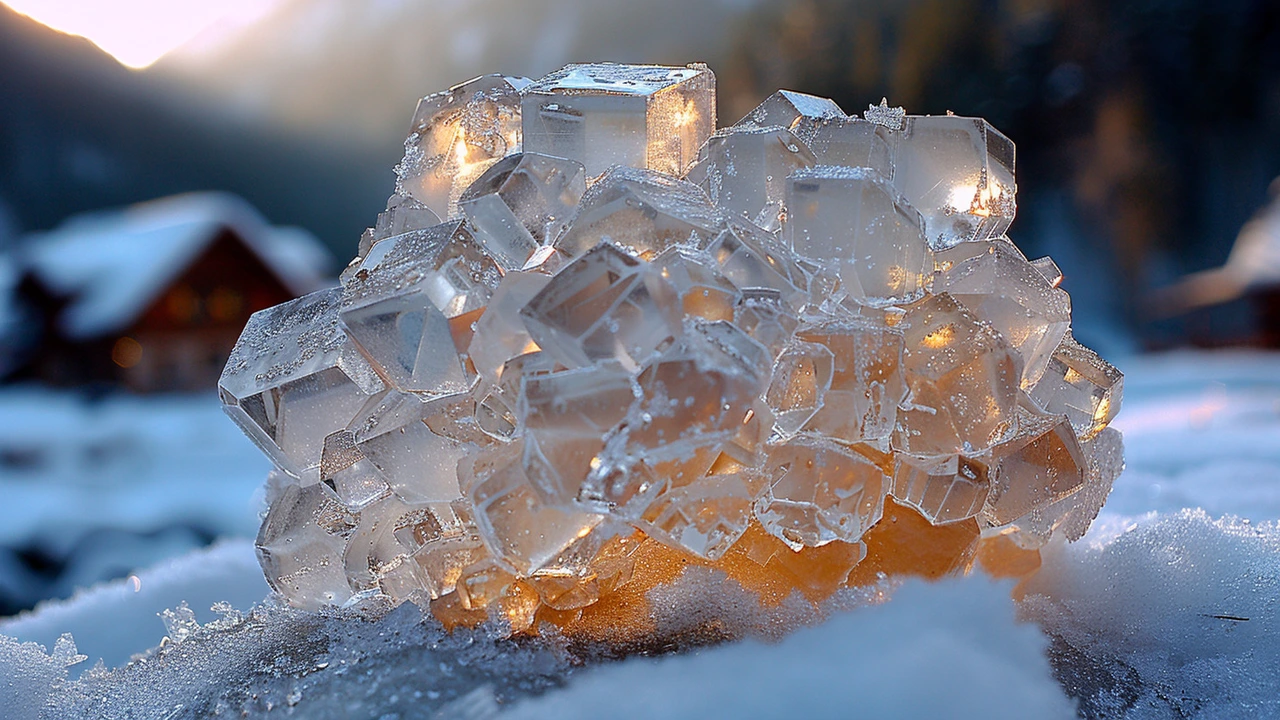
(952, 649)
(1177, 618)
(1201, 429)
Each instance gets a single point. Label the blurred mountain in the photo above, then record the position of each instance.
(302, 114)
(78, 131)
(353, 66)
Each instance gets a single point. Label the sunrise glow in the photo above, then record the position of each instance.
(139, 32)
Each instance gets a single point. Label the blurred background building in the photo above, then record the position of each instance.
(1148, 133)
(151, 298)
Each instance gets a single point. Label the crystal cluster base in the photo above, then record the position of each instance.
(594, 341)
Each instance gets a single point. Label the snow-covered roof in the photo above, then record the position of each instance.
(114, 263)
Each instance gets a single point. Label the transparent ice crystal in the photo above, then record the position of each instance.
(593, 342)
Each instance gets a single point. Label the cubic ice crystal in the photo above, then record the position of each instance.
(605, 114)
(593, 341)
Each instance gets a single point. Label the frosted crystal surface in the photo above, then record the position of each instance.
(455, 136)
(642, 211)
(958, 172)
(521, 202)
(846, 142)
(799, 363)
(944, 489)
(291, 377)
(604, 114)
(785, 107)
(853, 220)
(1000, 287)
(1081, 385)
(963, 380)
(820, 492)
(744, 171)
(606, 305)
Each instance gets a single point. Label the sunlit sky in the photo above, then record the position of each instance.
(139, 32)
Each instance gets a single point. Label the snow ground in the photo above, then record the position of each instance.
(1157, 613)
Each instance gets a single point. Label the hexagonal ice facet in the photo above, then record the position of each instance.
(820, 492)
(456, 135)
(766, 318)
(375, 562)
(1073, 513)
(500, 335)
(521, 202)
(497, 403)
(399, 304)
(998, 285)
(518, 529)
(696, 394)
(852, 219)
(403, 214)
(860, 405)
(963, 381)
(944, 489)
(566, 417)
(1043, 463)
(801, 379)
(606, 305)
(293, 378)
(958, 172)
(355, 480)
(695, 276)
(301, 543)
(705, 517)
(443, 541)
(847, 142)
(391, 433)
(641, 210)
(752, 258)
(603, 114)
(785, 107)
(1081, 385)
(744, 171)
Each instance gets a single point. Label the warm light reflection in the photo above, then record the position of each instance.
(973, 199)
(940, 338)
(139, 32)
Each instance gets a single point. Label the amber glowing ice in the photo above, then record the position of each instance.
(594, 342)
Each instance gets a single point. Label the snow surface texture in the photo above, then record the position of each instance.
(955, 646)
(1174, 618)
(1157, 613)
(113, 621)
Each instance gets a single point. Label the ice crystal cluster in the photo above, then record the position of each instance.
(594, 341)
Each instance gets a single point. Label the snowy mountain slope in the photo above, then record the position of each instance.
(358, 66)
